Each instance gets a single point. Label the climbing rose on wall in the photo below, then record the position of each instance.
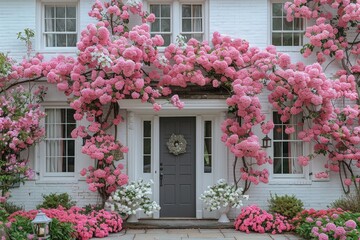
(334, 39)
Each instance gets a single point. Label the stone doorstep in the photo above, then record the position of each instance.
(178, 224)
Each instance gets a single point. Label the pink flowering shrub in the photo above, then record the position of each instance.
(254, 219)
(20, 128)
(328, 224)
(86, 225)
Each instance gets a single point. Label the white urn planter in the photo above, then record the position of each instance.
(223, 215)
(132, 218)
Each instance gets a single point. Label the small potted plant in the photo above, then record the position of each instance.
(134, 196)
(223, 197)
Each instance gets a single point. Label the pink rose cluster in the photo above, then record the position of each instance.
(94, 224)
(328, 224)
(254, 219)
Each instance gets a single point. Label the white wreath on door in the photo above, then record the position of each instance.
(177, 144)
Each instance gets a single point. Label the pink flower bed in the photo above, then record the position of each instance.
(95, 224)
(254, 219)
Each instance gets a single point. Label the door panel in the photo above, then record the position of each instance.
(177, 187)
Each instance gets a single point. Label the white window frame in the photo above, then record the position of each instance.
(270, 27)
(176, 16)
(302, 178)
(40, 45)
(192, 17)
(171, 19)
(42, 153)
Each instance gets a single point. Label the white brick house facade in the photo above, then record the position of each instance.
(250, 20)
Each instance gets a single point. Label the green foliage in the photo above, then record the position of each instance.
(5, 65)
(306, 226)
(90, 208)
(21, 228)
(350, 202)
(28, 34)
(61, 230)
(53, 200)
(11, 207)
(286, 205)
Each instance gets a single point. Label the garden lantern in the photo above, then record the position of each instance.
(41, 226)
(266, 142)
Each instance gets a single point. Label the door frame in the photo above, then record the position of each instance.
(202, 110)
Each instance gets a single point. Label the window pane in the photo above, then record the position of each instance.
(70, 128)
(287, 39)
(297, 39)
(155, 9)
(71, 164)
(277, 149)
(167, 39)
(50, 40)
(197, 25)
(147, 129)
(49, 25)
(147, 164)
(71, 25)
(155, 26)
(165, 10)
(197, 10)
(287, 25)
(165, 25)
(70, 145)
(207, 163)
(277, 166)
(277, 9)
(49, 12)
(277, 24)
(278, 132)
(187, 37)
(198, 37)
(186, 25)
(208, 129)
(60, 25)
(71, 40)
(298, 24)
(286, 166)
(186, 10)
(207, 146)
(60, 12)
(147, 146)
(70, 116)
(71, 12)
(276, 39)
(61, 40)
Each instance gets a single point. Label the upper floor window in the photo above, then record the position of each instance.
(284, 33)
(162, 24)
(192, 21)
(287, 147)
(59, 145)
(177, 18)
(60, 25)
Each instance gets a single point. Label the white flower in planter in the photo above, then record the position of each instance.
(222, 195)
(134, 196)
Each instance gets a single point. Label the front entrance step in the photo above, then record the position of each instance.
(178, 224)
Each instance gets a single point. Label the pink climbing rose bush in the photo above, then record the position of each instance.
(334, 39)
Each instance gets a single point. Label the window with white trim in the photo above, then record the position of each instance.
(162, 24)
(287, 147)
(192, 21)
(59, 145)
(59, 25)
(175, 17)
(284, 33)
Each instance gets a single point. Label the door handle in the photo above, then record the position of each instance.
(161, 179)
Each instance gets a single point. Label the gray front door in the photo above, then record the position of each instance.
(177, 172)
